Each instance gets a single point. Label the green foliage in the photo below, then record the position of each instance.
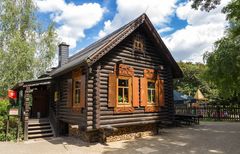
(13, 123)
(232, 10)
(26, 49)
(224, 67)
(205, 5)
(193, 79)
(3, 107)
(224, 62)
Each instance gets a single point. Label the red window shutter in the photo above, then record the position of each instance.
(161, 93)
(82, 91)
(112, 87)
(143, 91)
(135, 88)
(70, 88)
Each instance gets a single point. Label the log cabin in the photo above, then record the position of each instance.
(121, 84)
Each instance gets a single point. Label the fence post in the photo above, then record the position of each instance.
(218, 113)
(7, 128)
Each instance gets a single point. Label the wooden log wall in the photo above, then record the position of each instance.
(139, 61)
(65, 112)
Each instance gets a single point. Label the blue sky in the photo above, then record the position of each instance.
(187, 33)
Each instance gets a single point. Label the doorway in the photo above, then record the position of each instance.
(40, 105)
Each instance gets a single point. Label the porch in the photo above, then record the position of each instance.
(35, 102)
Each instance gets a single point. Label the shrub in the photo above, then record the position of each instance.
(13, 123)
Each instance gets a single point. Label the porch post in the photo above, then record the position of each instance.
(26, 112)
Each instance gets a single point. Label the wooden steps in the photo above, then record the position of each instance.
(39, 128)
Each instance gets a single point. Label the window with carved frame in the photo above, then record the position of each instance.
(151, 88)
(123, 89)
(151, 91)
(138, 43)
(76, 88)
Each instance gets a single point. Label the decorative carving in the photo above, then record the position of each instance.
(138, 43)
(149, 74)
(123, 109)
(151, 108)
(125, 70)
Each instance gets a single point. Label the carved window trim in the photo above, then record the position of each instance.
(76, 76)
(152, 76)
(152, 90)
(129, 103)
(138, 43)
(124, 72)
(127, 73)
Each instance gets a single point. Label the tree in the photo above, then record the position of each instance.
(193, 79)
(224, 62)
(26, 49)
(206, 5)
(224, 67)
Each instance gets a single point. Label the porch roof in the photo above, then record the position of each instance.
(31, 83)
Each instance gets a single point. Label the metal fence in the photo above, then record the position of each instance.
(210, 112)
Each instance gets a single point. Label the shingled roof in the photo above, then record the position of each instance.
(95, 51)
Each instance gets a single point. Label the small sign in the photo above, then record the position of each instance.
(13, 111)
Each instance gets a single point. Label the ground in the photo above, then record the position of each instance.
(208, 137)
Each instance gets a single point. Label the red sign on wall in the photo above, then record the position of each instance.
(12, 94)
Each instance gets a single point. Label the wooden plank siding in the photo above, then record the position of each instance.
(98, 112)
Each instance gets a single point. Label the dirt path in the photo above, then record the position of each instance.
(209, 137)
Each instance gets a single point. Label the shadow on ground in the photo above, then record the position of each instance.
(209, 137)
(205, 138)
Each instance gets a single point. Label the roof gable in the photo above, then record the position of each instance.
(95, 51)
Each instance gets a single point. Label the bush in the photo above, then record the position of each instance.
(13, 123)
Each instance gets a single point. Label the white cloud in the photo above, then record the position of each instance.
(159, 12)
(50, 5)
(73, 19)
(203, 29)
(165, 29)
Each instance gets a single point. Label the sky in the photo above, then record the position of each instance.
(187, 33)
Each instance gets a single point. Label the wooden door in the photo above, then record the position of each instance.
(40, 103)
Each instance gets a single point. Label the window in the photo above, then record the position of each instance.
(123, 92)
(121, 86)
(138, 43)
(77, 89)
(151, 93)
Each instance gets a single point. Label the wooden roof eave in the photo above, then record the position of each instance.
(110, 44)
(31, 83)
(62, 70)
(102, 51)
(113, 42)
(177, 72)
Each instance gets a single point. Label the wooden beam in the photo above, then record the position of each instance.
(97, 106)
(26, 112)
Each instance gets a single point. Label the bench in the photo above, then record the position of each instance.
(187, 119)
